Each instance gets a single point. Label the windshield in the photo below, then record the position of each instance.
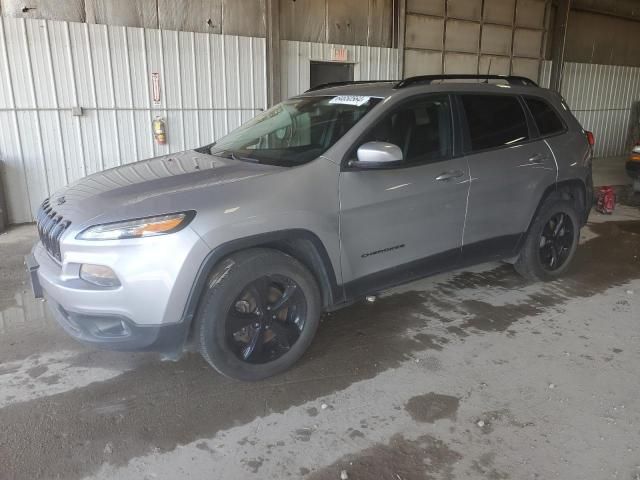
(295, 131)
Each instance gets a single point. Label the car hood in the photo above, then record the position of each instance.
(147, 187)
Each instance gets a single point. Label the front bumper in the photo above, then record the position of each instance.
(112, 332)
(118, 333)
(145, 313)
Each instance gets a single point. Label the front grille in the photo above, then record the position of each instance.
(51, 226)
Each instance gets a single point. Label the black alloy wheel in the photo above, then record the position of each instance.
(258, 314)
(266, 319)
(556, 241)
(551, 242)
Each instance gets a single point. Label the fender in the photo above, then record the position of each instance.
(583, 204)
(303, 245)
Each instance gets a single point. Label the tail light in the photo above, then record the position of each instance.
(591, 139)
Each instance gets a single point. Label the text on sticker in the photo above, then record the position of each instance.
(356, 100)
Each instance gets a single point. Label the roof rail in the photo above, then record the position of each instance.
(510, 79)
(351, 82)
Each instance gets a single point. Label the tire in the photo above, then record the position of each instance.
(251, 279)
(533, 263)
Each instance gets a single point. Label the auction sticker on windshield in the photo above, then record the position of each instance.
(356, 100)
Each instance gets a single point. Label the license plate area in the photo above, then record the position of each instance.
(32, 269)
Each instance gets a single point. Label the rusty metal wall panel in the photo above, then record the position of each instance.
(526, 67)
(370, 63)
(460, 63)
(488, 28)
(530, 13)
(593, 38)
(424, 32)
(494, 65)
(422, 62)
(496, 39)
(426, 7)
(209, 84)
(203, 16)
(359, 22)
(379, 25)
(129, 13)
(621, 8)
(244, 17)
(527, 43)
(303, 20)
(69, 10)
(499, 11)
(465, 9)
(347, 22)
(462, 36)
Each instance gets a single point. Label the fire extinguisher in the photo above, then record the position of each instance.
(606, 200)
(160, 131)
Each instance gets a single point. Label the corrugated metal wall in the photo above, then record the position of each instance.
(209, 85)
(601, 97)
(370, 63)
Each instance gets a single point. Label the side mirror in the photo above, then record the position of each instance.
(377, 155)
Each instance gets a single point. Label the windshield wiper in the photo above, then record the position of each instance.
(234, 156)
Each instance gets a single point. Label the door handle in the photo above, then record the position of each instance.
(538, 159)
(443, 177)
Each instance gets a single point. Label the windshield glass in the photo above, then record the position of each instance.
(295, 131)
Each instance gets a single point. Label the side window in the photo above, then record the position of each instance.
(494, 121)
(422, 130)
(546, 118)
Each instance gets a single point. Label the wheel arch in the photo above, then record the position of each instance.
(301, 244)
(574, 190)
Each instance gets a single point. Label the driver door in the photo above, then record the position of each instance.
(405, 222)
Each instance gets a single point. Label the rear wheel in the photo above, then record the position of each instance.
(258, 315)
(551, 242)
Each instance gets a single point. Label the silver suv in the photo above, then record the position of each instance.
(238, 247)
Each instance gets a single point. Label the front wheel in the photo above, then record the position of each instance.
(551, 242)
(258, 315)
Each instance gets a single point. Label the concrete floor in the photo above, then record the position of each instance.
(473, 374)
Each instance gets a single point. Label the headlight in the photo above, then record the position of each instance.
(139, 228)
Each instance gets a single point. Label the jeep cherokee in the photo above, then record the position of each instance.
(346, 190)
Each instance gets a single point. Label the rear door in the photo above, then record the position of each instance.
(404, 222)
(510, 168)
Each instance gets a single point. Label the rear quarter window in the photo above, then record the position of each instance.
(546, 118)
(494, 121)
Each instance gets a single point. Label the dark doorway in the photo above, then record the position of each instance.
(327, 72)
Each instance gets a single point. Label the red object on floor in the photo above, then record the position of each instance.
(606, 200)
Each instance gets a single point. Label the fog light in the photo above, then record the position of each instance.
(99, 275)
